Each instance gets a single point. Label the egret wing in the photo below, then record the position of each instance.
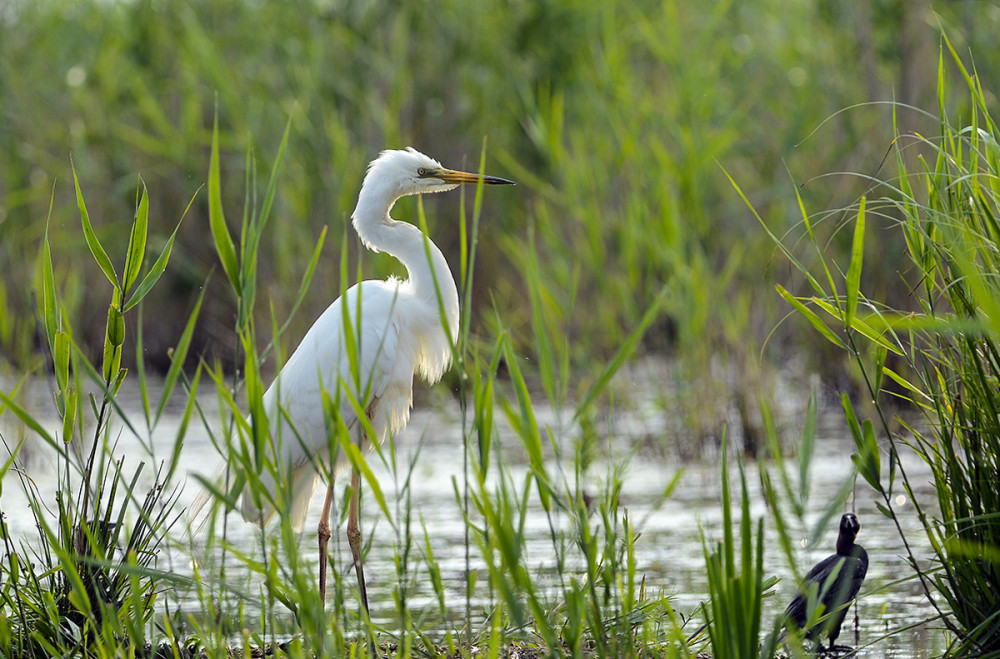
(347, 358)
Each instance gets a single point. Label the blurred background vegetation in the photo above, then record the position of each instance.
(617, 119)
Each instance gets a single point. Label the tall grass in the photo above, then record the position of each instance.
(937, 357)
(599, 601)
(624, 241)
(622, 196)
(593, 601)
(737, 587)
(89, 581)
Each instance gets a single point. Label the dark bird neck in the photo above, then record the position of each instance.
(845, 543)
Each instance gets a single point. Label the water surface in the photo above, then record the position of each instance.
(669, 550)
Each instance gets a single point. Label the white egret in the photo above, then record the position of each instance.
(398, 328)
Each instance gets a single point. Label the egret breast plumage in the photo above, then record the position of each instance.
(366, 347)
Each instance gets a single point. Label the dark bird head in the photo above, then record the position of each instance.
(849, 527)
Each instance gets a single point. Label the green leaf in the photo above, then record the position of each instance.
(623, 353)
(60, 358)
(182, 427)
(137, 242)
(160, 265)
(867, 458)
(860, 325)
(540, 328)
(50, 304)
(807, 446)
(3, 472)
(220, 232)
(116, 326)
(26, 418)
(852, 420)
(120, 378)
(140, 371)
(272, 184)
(522, 418)
(92, 242)
(114, 337)
(880, 355)
(112, 360)
(774, 238)
(178, 356)
(811, 316)
(922, 398)
(360, 465)
(69, 415)
(812, 236)
(854, 271)
(872, 457)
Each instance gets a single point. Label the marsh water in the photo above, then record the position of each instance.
(669, 551)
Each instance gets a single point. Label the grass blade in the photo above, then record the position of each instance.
(853, 282)
(811, 316)
(50, 305)
(136, 243)
(178, 357)
(220, 232)
(27, 419)
(93, 243)
(623, 353)
(159, 265)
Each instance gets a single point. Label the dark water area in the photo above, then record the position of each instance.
(669, 551)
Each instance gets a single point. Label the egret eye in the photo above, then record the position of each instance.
(421, 172)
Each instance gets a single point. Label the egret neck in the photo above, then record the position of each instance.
(427, 268)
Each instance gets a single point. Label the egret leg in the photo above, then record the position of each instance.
(354, 536)
(323, 532)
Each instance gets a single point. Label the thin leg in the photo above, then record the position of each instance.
(323, 532)
(354, 536)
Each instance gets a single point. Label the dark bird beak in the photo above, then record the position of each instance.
(453, 176)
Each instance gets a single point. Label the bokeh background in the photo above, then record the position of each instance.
(620, 121)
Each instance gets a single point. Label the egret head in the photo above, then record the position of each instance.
(408, 171)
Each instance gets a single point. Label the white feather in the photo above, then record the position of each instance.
(399, 332)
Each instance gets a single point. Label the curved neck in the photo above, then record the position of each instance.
(428, 270)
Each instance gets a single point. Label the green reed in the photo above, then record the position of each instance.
(737, 583)
(622, 197)
(625, 240)
(596, 602)
(88, 584)
(593, 602)
(937, 357)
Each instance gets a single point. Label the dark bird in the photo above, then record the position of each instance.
(839, 578)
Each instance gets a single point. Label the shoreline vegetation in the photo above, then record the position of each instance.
(670, 223)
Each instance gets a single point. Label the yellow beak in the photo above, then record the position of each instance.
(453, 176)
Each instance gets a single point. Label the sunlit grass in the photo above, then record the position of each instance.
(265, 592)
(625, 237)
(619, 199)
(938, 357)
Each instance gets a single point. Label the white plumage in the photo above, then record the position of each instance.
(399, 334)
(398, 328)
